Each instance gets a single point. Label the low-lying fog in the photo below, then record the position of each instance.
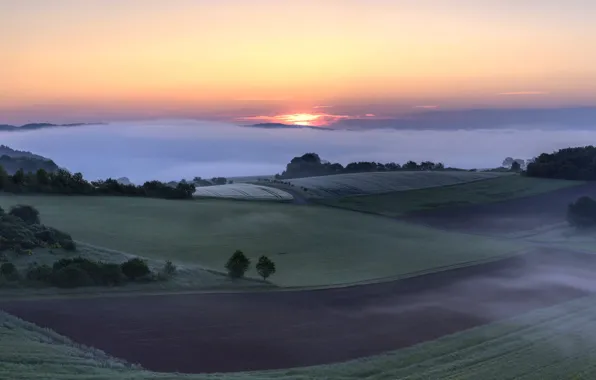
(171, 150)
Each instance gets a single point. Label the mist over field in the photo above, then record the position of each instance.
(175, 149)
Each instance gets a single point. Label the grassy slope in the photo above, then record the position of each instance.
(337, 185)
(549, 344)
(491, 190)
(188, 277)
(321, 245)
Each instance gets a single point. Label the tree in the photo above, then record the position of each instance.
(135, 268)
(237, 265)
(582, 212)
(507, 162)
(515, 166)
(18, 178)
(265, 267)
(42, 177)
(27, 213)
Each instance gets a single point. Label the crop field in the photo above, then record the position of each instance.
(311, 245)
(243, 191)
(492, 190)
(341, 185)
(511, 218)
(552, 342)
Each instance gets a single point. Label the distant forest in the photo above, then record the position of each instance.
(569, 163)
(63, 182)
(311, 165)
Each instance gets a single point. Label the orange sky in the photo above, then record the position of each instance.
(112, 58)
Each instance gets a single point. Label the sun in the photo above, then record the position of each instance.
(299, 118)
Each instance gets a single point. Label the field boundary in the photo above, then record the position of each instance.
(274, 288)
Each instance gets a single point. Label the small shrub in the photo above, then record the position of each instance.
(71, 276)
(41, 273)
(27, 213)
(169, 269)
(237, 265)
(111, 274)
(7, 268)
(9, 271)
(135, 268)
(265, 267)
(582, 213)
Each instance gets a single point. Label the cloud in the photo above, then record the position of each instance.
(524, 93)
(427, 107)
(322, 106)
(370, 115)
(175, 149)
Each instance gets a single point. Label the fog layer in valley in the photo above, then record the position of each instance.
(175, 149)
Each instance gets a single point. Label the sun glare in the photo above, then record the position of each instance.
(299, 118)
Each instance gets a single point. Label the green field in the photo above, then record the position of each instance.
(555, 343)
(486, 191)
(341, 185)
(312, 245)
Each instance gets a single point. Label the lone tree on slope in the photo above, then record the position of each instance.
(237, 265)
(265, 267)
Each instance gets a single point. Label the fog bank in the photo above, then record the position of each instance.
(174, 149)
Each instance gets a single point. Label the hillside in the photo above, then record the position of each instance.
(12, 160)
(34, 126)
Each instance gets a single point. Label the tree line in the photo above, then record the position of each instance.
(311, 165)
(570, 163)
(62, 181)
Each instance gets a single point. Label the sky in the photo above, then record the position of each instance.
(174, 149)
(306, 62)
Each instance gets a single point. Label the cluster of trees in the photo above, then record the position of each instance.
(582, 213)
(21, 231)
(202, 182)
(311, 165)
(62, 181)
(569, 163)
(238, 264)
(80, 272)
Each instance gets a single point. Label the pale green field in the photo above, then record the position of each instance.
(243, 191)
(311, 245)
(340, 185)
(562, 235)
(486, 191)
(556, 343)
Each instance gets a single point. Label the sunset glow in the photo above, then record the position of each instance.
(97, 59)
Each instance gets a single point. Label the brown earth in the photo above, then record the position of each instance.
(267, 330)
(507, 216)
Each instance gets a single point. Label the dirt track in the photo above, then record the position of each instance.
(233, 332)
(507, 216)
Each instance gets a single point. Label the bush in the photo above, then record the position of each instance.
(135, 268)
(41, 273)
(71, 276)
(9, 271)
(265, 267)
(53, 237)
(169, 269)
(27, 213)
(112, 275)
(237, 265)
(582, 212)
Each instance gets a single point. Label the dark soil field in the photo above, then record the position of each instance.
(507, 216)
(250, 331)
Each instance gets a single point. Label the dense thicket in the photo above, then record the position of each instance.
(63, 182)
(569, 163)
(79, 271)
(582, 213)
(311, 165)
(22, 235)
